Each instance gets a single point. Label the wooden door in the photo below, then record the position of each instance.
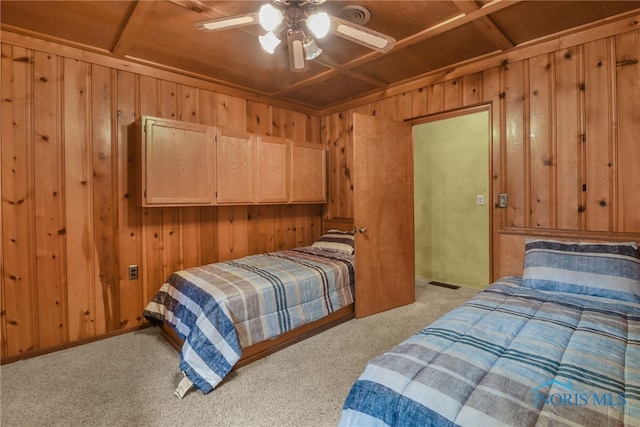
(383, 214)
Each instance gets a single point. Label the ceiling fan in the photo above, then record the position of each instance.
(297, 22)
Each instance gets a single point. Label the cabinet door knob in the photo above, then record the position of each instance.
(362, 230)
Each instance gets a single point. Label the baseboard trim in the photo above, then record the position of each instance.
(36, 353)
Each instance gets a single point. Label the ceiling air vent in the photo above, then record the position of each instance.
(356, 14)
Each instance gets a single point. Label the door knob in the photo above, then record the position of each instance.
(362, 230)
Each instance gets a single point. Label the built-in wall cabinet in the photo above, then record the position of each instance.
(308, 173)
(188, 164)
(235, 166)
(177, 162)
(273, 160)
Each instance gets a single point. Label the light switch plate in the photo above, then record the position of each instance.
(502, 200)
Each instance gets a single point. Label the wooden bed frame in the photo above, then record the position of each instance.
(264, 348)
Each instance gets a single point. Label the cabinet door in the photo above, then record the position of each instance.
(177, 166)
(273, 170)
(308, 173)
(235, 167)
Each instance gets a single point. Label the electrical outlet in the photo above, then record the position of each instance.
(133, 272)
(480, 200)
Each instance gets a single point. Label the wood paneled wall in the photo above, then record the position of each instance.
(564, 146)
(70, 229)
(565, 143)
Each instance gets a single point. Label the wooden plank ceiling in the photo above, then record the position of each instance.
(431, 36)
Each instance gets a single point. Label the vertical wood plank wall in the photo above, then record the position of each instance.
(564, 146)
(70, 230)
(565, 143)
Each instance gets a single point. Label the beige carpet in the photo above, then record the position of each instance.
(129, 380)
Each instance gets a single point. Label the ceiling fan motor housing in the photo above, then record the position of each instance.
(294, 17)
(298, 2)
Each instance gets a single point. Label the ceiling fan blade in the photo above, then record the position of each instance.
(297, 61)
(362, 35)
(227, 22)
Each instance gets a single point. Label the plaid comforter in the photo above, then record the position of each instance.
(218, 309)
(509, 356)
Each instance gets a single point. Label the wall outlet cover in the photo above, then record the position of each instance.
(133, 272)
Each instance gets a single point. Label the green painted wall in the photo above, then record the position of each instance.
(451, 163)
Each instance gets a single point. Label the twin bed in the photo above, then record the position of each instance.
(559, 345)
(227, 314)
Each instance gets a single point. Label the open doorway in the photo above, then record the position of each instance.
(452, 197)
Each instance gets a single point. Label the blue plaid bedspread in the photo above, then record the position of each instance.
(510, 356)
(218, 309)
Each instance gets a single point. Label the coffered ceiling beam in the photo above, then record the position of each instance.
(486, 25)
(131, 26)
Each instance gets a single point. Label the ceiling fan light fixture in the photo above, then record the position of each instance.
(296, 23)
(269, 17)
(319, 24)
(269, 42)
(311, 49)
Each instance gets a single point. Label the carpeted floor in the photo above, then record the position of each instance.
(129, 380)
